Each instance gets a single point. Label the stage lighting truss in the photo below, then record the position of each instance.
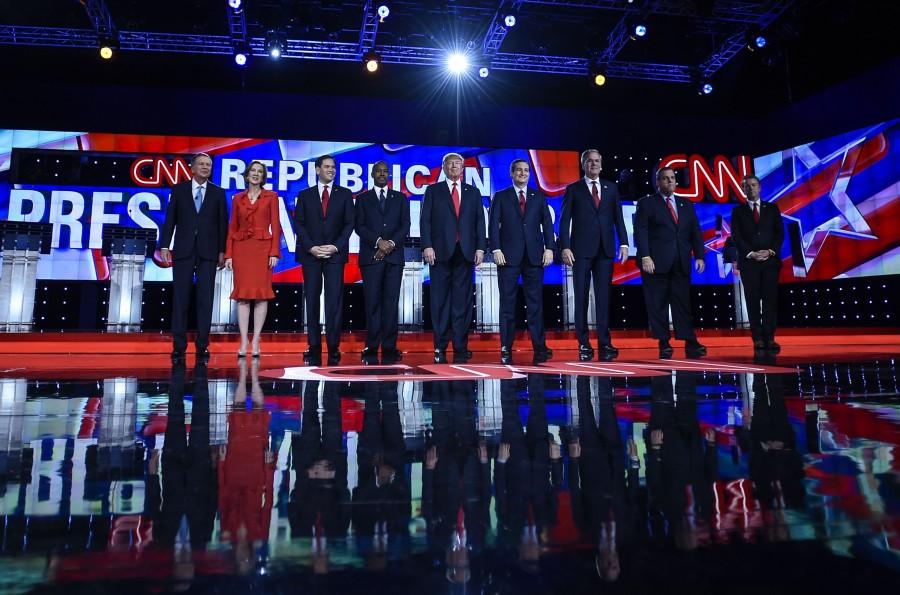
(755, 19)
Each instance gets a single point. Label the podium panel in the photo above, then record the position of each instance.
(22, 244)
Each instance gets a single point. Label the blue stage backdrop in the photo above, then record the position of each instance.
(839, 195)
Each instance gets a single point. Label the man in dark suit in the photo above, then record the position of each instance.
(522, 242)
(758, 233)
(198, 218)
(591, 212)
(382, 223)
(323, 220)
(666, 234)
(453, 239)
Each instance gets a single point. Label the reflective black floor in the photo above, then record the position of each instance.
(684, 482)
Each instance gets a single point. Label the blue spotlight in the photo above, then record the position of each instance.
(240, 59)
(705, 88)
(484, 72)
(457, 63)
(235, 4)
(760, 41)
(383, 12)
(639, 31)
(509, 20)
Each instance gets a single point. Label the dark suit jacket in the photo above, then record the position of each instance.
(516, 235)
(315, 230)
(749, 236)
(591, 229)
(372, 224)
(438, 225)
(656, 235)
(204, 232)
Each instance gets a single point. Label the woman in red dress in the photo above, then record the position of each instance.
(252, 251)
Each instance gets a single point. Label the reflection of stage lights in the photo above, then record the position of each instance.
(457, 63)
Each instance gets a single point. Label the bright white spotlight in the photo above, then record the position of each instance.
(383, 12)
(510, 20)
(240, 59)
(235, 4)
(640, 30)
(484, 71)
(706, 88)
(457, 63)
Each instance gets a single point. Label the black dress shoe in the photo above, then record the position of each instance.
(505, 356)
(759, 344)
(389, 355)
(585, 353)
(773, 347)
(607, 353)
(312, 356)
(369, 355)
(461, 356)
(177, 355)
(542, 355)
(694, 348)
(440, 356)
(665, 350)
(203, 353)
(334, 357)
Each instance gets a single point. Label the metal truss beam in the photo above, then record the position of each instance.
(101, 20)
(369, 29)
(725, 11)
(237, 25)
(497, 30)
(734, 43)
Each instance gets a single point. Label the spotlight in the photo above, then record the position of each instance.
(509, 20)
(457, 63)
(598, 75)
(383, 12)
(235, 4)
(372, 61)
(756, 42)
(484, 72)
(638, 31)
(240, 59)
(106, 52)
(705, 88)
(274, 45)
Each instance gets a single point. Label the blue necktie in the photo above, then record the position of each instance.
(198, 198)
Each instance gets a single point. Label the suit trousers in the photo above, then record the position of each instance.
(601, 270)
(533, 289)
(761, 293)
(381, 289)
(451, 301)
(183, 271)
(333, 275)
(662, 290)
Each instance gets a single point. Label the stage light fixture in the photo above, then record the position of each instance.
(240, 58)
(598, 75)
(756, 41)
(372, 61)
(235, 4)
(274, 46)
(383, 12)
(457, 63)
(705, 88)
(106, 52)
(484, 72)
(638, 31)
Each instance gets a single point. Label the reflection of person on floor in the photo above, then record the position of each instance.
(182, 493)
(456, 483)
(381, 501)
(776, 468)
(527, 473)
(681, 460)
(319, 503)
(603, 491)
(246, 473)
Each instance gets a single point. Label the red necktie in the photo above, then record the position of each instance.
(596, 194)
(522, 202)
(672, 210)
(324, 201)
(756, 212)
(454, 194)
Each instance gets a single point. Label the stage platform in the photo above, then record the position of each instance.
(121, 471)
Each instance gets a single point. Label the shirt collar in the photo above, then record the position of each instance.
(590, 182)
(522, 189)
(450, 184)
(195, 185)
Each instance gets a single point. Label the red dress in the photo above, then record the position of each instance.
(254, 234)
